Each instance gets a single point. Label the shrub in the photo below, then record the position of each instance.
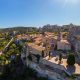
(60, 57)
(38, 58)
(30, 57)
(71, 59)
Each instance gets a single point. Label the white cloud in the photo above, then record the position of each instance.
(71, 2)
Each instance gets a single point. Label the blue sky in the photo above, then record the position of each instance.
(38, 12)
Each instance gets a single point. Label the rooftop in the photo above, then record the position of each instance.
(35, 48)
(64, 41)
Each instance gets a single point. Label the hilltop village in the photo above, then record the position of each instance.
(50, 53)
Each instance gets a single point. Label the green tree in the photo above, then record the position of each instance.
(60, 57)
(42, 53)
(13, 46)
(2, 59)
(38, 58)
(71, 59)
(30, 57)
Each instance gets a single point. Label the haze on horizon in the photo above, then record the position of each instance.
(38, 12)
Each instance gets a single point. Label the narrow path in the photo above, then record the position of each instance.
(8, 43)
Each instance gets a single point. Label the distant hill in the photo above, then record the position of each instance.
(20, 29)
(48, 27)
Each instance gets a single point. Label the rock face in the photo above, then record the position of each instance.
(73, 32)
(78, 78)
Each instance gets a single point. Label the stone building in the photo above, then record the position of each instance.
(63, 45)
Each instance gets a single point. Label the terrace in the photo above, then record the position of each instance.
(72, 70)
(35, 49)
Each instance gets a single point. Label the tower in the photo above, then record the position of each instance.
(59, 36)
